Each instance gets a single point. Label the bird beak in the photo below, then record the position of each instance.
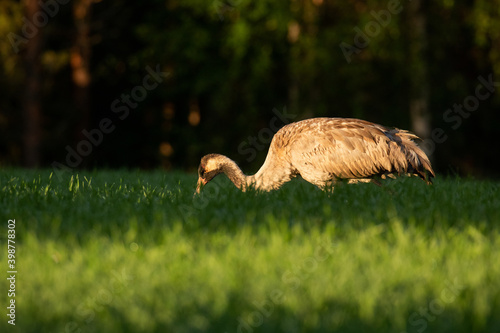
(201, 182)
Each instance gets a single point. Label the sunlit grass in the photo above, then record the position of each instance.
(130, 251)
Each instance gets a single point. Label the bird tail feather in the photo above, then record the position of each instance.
(416, 157)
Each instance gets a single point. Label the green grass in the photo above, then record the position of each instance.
(130, 251)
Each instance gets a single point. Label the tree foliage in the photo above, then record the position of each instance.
(230, 63)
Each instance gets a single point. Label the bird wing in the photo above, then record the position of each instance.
(330, 148)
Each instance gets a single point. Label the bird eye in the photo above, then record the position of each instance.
(201, 171)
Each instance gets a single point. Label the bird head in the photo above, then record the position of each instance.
(210, 167)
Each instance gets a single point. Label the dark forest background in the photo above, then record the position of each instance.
(159, 83)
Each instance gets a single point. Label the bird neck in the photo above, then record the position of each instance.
(270, 176)
(234, 173)
(242, 181)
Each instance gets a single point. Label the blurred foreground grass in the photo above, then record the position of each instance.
(130, 251)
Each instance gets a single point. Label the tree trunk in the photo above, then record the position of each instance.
(419, 84)
(80, 64)
(32, 87)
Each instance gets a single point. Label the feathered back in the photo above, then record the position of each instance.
(321, 149)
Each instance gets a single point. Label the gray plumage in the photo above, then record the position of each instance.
(323, 150)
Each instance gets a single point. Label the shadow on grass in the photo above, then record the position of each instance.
(266, 316)
(111, 203)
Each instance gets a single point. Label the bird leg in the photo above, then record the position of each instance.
(361, 180)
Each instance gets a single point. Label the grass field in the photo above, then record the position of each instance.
(130, 251)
